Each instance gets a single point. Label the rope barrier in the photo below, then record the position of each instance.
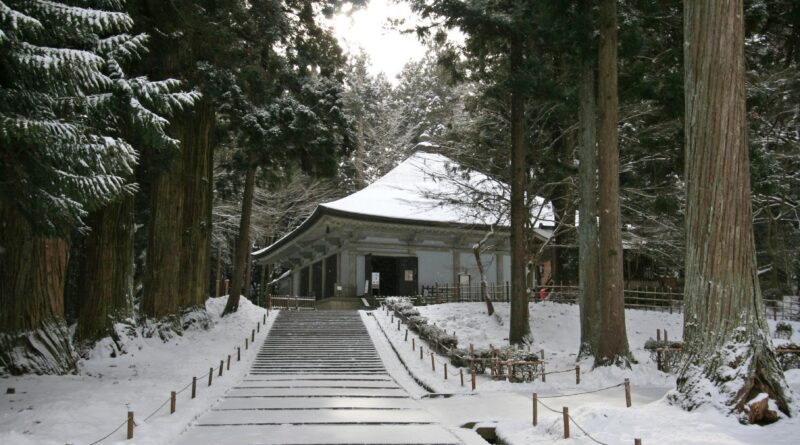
(109, 434)
(571, 419)
(153, 413)
(582, 393)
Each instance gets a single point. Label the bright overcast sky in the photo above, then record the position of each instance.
(368, 29)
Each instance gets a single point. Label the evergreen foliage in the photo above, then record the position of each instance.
(65, 104)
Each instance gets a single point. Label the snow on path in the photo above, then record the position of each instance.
(318, 380)
(603, 414)
(79, 409)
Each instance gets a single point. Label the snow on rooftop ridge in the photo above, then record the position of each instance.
(432, 187)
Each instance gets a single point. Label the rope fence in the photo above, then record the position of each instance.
(567, 418)
(172, 400)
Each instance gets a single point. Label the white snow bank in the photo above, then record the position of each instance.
(603, 414)
(82, 408)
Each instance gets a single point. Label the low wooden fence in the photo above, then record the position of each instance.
(664, 299)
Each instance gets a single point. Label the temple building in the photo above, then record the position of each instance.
(411, 231)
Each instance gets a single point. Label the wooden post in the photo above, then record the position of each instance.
(238, 354)
(406, 334)
(210, 375)
(471, 349)
(445, 371)
(130, 425)
(658, 335)
(474, 383)
(461, 375)
(216, 292)
(172, 402)
(413, 344)
(245, 343)
(194, 387)
(253, 335)
(221, 364)
(433, 363)
(535, 409)
(420, 352)
(637, 441)
(258, 327)
(544, 374)
(578, 375)
(398, 324)
(227, 286)
(392, 321)
(565, 413)
(229, 362)
(628, 393)
(264, 320)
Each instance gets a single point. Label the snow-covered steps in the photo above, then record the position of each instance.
(318, 379)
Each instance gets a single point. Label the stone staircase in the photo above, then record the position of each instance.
(317, 379)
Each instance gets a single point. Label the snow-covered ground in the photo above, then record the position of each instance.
(602, 414)
(79, 409)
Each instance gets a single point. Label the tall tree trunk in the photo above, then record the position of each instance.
(519, 330)
(197, 142)
(613, 345)
(476, 250)
(727, 346)
(105, 280)
(33, 333)
(589, 264)
(242, 243)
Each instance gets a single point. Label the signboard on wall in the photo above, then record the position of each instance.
(463, 279)
(409, 275)
(376, 280)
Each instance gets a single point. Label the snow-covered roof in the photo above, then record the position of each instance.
(427, 188)
(432, 187)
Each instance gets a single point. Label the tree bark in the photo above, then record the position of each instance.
(242, 243)
(197, 142)
(105, 280)
(519, 330)
(33, 333)
(161, 293)
(476, 250)
(727, 347)
(589, 264)
(613, 345)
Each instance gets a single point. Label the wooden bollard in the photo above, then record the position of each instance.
(172, 402)
(420, 352)
(253, 335)
(565, 413)
(544, 374)
(258, 327)
(221, 364)
(471, 349)
(628, 393)
(227, 285)
(433, 363)
(11, 390)
(578, 374)
(398, 325)
(474, 383)
(406, 335)
(194, 387)
(245, 343)
(413, 344)
(445, 371)
(637, 441)
(238, 354)
(658, 335)
(130, 425)
(461, 375)
(229, 363)
(264, 320)
(210, 375)
(392, 321)
(535, 409)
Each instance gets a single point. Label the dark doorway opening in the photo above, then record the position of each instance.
(316, 280)
(398, 276)
(331, 272)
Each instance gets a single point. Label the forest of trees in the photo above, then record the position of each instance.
(146, 147)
